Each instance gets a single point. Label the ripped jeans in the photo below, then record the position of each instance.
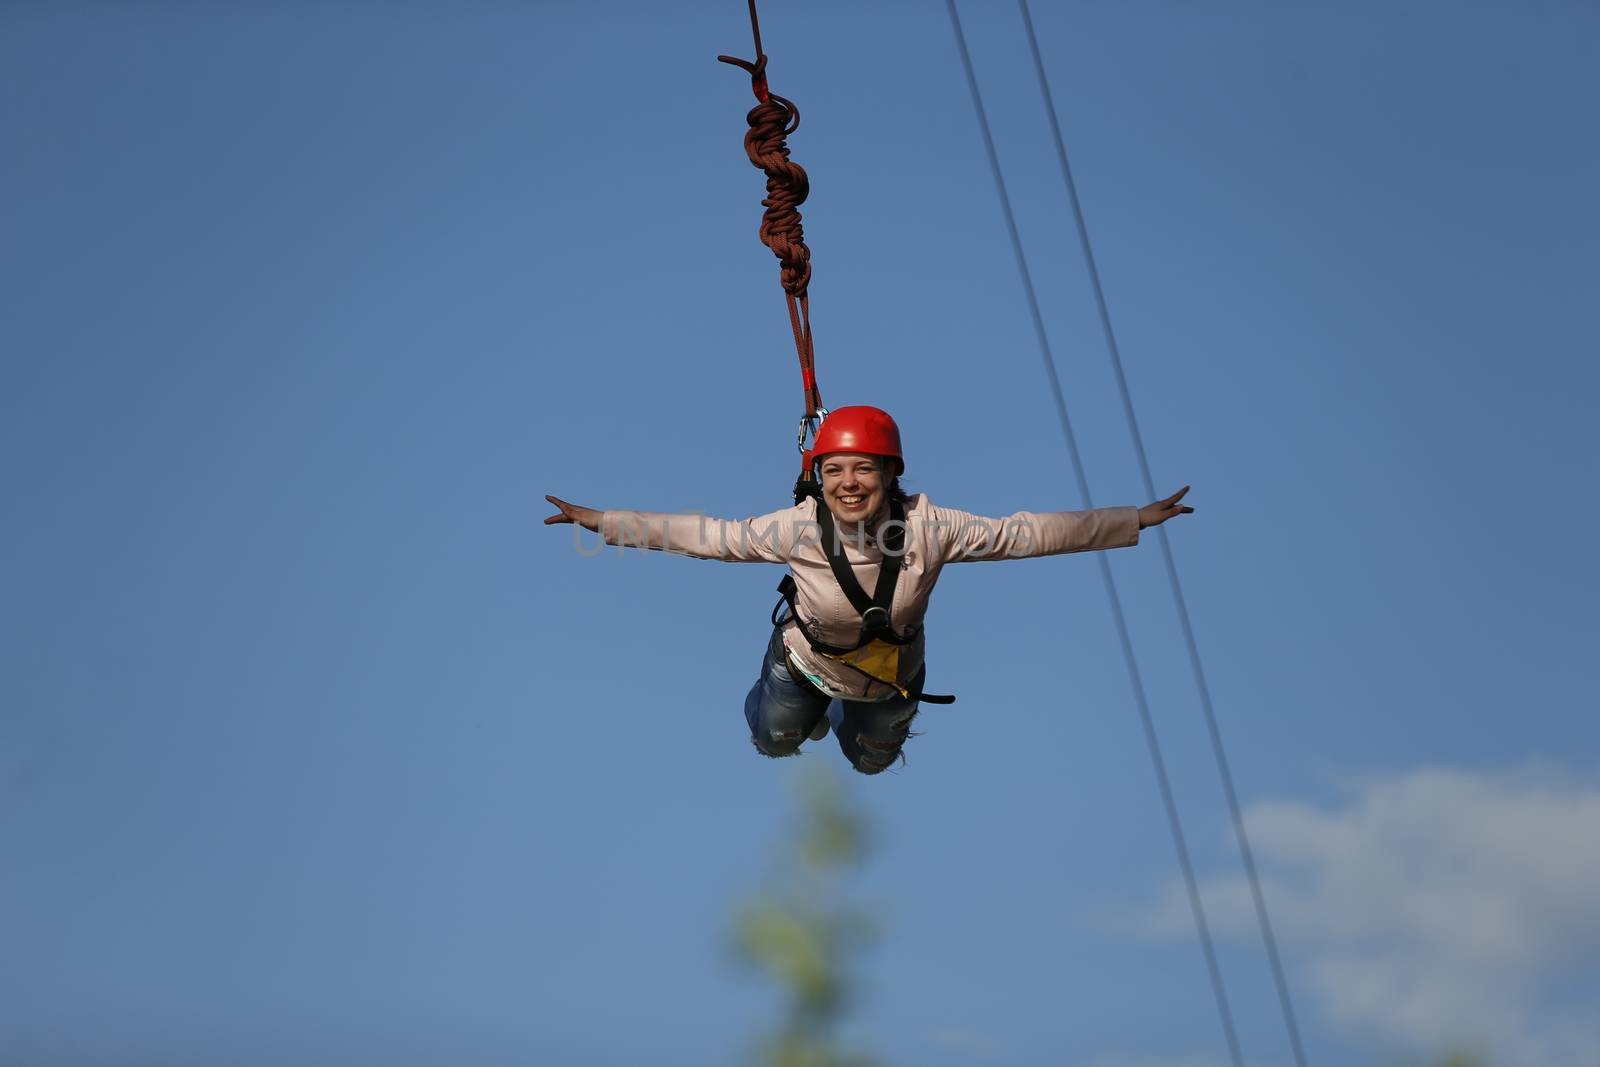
(782, 712)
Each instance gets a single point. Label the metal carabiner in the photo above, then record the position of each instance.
(809, 425)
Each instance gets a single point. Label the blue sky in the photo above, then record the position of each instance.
(317, 747)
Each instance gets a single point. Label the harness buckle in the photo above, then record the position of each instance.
(874, 619)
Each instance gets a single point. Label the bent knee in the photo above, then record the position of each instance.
(778, 743)
(875, 757)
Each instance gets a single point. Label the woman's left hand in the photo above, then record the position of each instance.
(1162, 510)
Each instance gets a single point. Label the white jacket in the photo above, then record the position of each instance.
(934, 536)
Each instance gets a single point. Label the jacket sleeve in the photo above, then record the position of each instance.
(963, 537)
(769, 538)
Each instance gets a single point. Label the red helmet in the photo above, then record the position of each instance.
(860, 429)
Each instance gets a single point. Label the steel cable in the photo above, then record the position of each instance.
(1247, 857)
(1152, 740)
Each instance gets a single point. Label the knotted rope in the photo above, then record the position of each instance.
(771, 121)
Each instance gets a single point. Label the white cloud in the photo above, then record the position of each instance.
(1437, 909)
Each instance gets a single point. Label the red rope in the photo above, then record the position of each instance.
(771, 121)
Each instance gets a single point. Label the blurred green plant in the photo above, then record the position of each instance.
(802, 933)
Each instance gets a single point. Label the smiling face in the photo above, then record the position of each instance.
(854, 485)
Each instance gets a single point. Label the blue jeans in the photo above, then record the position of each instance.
(782, 711)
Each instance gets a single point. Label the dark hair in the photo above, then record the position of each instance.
(894, 492)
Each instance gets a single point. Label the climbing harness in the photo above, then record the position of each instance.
(876, 654)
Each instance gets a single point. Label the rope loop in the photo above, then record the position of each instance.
(771, 122)
(766, 143)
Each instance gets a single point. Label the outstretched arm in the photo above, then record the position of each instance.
(1159, 512)
(965, 537)
(588, 518)
(765, 538)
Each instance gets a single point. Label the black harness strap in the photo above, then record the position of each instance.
(874, 610)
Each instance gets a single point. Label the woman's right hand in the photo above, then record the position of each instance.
(588, 518)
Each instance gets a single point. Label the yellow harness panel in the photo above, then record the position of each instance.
(878, 660)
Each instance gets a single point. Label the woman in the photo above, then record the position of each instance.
(836, 642)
